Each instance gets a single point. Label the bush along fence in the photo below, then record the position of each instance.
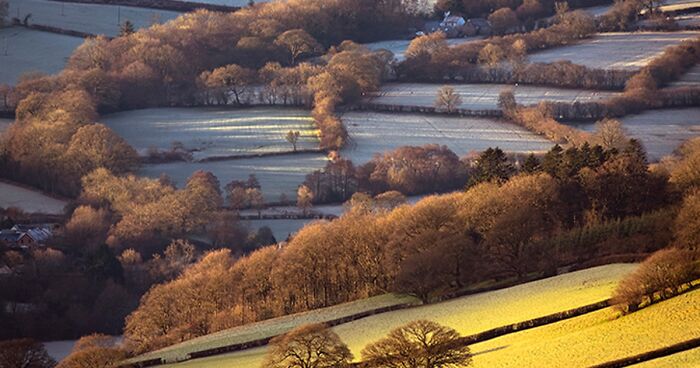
(174, 5)
(369, 106)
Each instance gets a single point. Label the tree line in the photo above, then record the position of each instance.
(497, 228)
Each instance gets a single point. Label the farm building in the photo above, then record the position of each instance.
(25, 236)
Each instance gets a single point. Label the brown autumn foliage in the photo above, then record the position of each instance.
(94, 351)
(420, 343)
(662, 275)
(443, 243)
(162, 66)
(308, 346)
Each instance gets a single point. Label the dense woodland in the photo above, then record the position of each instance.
(127, 252)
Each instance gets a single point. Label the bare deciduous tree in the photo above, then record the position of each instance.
(308, 346)
(293, 138)
(448, 99)
(418, 344)
(610, 134)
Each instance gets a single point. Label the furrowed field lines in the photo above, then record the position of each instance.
(481, 96)
(96, 19)
(29, 50)
(595, 338)
(615, 51)
(212, 132)
(372, 133)
(660, 131)
(468, 315)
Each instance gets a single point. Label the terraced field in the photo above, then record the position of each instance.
(87, 18)
(660, 131)
(469, 314)
(28, 200)
(596, 337)
(480, 96)
(33, 51)
(372, 133)
(210, 132)
(619, 51)
(276, 174)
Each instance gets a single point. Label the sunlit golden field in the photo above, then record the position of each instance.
(469, 314)
(596, 337)
(684, 359)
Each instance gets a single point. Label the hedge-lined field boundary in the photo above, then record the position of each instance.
(649, 355)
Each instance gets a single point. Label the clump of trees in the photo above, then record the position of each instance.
(662, 275)
(498, 228)
(94, 351)
(308, 346)
(420, 343)
(24, 353)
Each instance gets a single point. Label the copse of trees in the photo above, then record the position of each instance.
(662, 275)
(442, 244)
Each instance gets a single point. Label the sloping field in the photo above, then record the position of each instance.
(213, 132)
(660, 131)
(33, 51)
(468, 315)
(480, 96)
(277, 174)
(620, 51)
(398, 47)
(596, 337)
(277, 326)
(685, 359)
(372, 133)
(30, 201)
(87, 18)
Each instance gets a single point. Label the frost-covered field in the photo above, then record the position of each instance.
(281, 229)
(87, 18)
(481, 96)
(211, 132)
(277, 174)
(30, 201)
(398, 47)
(620, 51)
(33, 51)
(660, 131)
(468, 315)
(59, 349)
(372, 132)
